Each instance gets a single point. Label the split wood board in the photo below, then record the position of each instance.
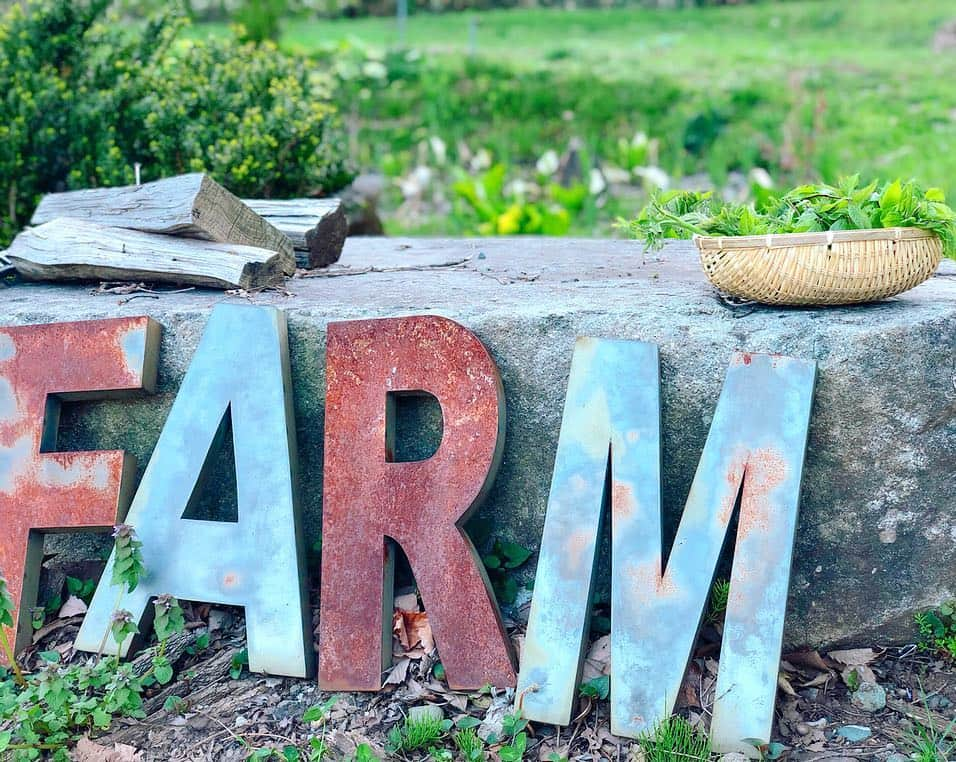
(317, 227)
(191, 205)
(72, 249)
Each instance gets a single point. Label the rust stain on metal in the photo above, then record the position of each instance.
(421, 505)
(50, 491)
(623, 501)
(766, 470)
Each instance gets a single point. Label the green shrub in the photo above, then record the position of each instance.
(260, 19)
(83, 97)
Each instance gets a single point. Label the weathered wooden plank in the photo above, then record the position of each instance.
(317, 227)
(72, 249)
(191, 205)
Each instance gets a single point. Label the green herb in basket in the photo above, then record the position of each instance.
(848, 205)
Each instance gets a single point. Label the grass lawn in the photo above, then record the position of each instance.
(810, 89)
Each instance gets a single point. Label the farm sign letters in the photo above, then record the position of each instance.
(609, 454)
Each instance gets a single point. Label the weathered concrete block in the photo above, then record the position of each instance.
(877, 528)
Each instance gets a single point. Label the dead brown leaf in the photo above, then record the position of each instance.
(407, 602)
(73, 607)
(688, 698)
(398, 673)
(412, 630)
(598, 660)
(783, 683)
(854, 657)
(56, 624)
(87, 751)
(807, 660)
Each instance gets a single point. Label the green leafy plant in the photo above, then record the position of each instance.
(596, 688)
(518, 208)
(927, 742)
(259, 19)
(240, 660)
(419, 733)
(46, 710)
(175, 705)
(470, 745)
(514, 751)
(128, 564)
(364, 753)
(938, 629)
(807, 208)
(81, 588)
(719, 595)
(504, 558)
(319, 712)
(674, 738)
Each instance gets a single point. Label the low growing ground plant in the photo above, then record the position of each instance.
(417, 733)
(505, 557)
(938, 629)
(45, 711)
(675, 739)
(848, 205)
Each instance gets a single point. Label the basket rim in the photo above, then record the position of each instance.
(826, 237)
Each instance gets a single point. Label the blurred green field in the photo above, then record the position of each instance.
(806, 90)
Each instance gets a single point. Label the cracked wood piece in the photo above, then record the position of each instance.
(317, 227)
(71, 249)
(192, 205)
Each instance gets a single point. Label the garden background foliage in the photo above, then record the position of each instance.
(84, 96)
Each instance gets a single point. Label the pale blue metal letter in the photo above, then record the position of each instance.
(754, 452)
(241, 367)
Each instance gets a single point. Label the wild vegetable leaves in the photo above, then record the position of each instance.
(807, 208)
(6, 605)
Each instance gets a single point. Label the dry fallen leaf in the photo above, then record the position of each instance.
(598, 660)
(688, 696)
(783, 683)
(412, 630)
(854, 657)
(407, 602)
(73, 607)
(398, 673)
(87, 751)
(807, 660)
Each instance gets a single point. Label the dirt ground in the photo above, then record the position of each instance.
(902, 692)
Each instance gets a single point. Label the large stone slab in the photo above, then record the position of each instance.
(877, 531)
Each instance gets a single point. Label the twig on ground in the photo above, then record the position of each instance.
(339, 271)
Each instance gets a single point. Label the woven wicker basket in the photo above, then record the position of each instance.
(836, 267)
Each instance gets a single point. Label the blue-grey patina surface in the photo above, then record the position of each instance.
(241, 368)
(753, 457)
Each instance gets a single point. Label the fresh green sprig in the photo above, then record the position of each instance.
(169, 618)
(848, 205)
(128, 566)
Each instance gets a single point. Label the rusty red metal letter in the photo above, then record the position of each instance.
(421, 505)
(44, 491)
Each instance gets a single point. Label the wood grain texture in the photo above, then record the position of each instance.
(72, 249)
(317, 227)
(191, 205)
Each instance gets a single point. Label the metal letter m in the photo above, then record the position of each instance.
(609, 451)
